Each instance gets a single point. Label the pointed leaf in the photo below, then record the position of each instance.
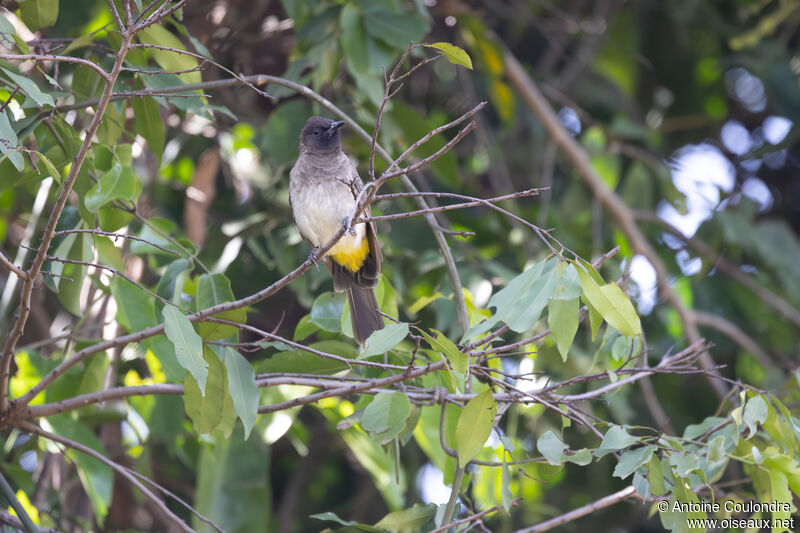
(188, 344)
(386, 415)
(30, 88)
(205, 406)
(39, 13)
(116, 183)
(383, 340)
(408, 520)
(214, 289)
(609, 300)
(9, 141)
(242, 387)
(615, 439)
(458, 360)
(631, 460)
(562, 317)
(474, 426)
(552, 448)
(454, 54)
(148, 124)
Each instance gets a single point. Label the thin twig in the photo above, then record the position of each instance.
(439, 209)
(475, 516)
(158, 502)
(55, 214)
(621, 213)
(113, 7)
(589, 508)
(115, 236)
(5, 261)
(8, 492)
(62, 59)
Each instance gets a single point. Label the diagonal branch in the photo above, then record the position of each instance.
(6, 262)
(62, 59)
(47, 234)
(621, 213)
(589, 508)
(158, 502)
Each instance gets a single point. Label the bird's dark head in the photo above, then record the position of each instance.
(321, 135)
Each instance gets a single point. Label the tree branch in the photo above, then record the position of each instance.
(589, 508)
(621, 213)
(61, 59)
(47, 235)
(6, 262)
(36, 430)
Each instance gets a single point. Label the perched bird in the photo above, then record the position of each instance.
(323, 186)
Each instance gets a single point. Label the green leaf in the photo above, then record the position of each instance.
(39, 13)
(458, 360)
(242, 387)
(215, 289)
(69, 292)
(30, 88)
(408, 520)
(505, 486)
(383, 340)
(386, 415)
(395, 29)
(455, 55)
(562, 317)
(205, 405)
(580, 457)
(631, 460)
(96, 478)
(334, 518)
(148, 124)
(424, 301)
(326, 311)
(354, 39)
(552, 448)
(615, 439)
(9, 146)
(299, 361)
(569, 285)
(81, 42)
(474, 426)
(167, 59)
(779, 489)
(188, 344)
(171, 282)
(51, 169)
(755, 412)
(521, 302)
(118, 182)
(135, 309)
(609, 300)
(656, 477)
(231, 487)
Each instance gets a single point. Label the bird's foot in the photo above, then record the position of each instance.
(314, 257)
(347, 225)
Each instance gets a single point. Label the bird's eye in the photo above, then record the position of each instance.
(316, 131)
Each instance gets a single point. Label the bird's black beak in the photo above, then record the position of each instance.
(336, 125)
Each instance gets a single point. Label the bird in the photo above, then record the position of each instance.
(323, 187)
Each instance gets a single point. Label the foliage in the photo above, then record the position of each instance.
(151, 356)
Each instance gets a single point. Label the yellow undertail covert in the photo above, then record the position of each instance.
(350, 255)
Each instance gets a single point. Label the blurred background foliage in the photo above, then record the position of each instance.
(688, 109)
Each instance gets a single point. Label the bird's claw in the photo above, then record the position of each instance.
(348, 228)
(313, 256)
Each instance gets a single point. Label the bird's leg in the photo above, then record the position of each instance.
(313, 256)
(348, 228)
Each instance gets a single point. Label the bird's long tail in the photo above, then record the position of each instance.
(364, 312)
